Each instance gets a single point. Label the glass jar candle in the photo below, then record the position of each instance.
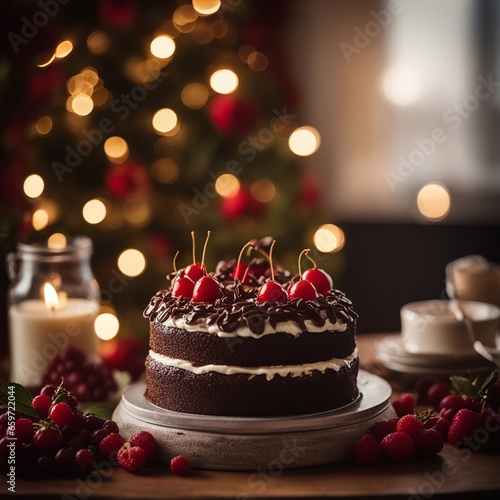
(53, 303)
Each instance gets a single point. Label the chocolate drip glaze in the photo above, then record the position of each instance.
(238, 307)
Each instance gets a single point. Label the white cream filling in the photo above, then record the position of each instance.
(269, 371)
(283, 326)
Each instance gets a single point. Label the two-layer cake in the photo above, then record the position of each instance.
(240, 354)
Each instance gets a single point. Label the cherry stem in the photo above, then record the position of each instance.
(205, 249)
(271, 259)
(300, 257)
(193, 239)
(175, 259)
(311, 259)
(246, 245)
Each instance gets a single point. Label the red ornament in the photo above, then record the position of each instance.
(233, 114)
(309, 191)
(126, 179)
(117, 13)
(242, 203)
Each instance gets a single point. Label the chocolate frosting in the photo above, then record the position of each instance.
(238, 307)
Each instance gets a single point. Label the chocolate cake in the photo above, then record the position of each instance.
(244, 355)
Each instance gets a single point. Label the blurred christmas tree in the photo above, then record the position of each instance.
(137, 122)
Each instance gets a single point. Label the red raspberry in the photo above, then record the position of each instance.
(442, 425)
(428, 442)
(404, 405)
(367, 450)
(180, 465)
(437, 392)
(381, 429)
(146, 441)
(463, 427)
(41, 404)
(398, 446)
(111, 444)
(24, 430)
(61, 414)
(131, 458)
(409, 424)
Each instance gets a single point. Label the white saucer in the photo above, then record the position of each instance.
(393, 354)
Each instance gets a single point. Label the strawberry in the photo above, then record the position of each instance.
(367, 450)
(381, 429)
(131, 458)
(428, 442)
(404, 405)
(409, 424)
(398, 446)
(146, 441)
(463, 427)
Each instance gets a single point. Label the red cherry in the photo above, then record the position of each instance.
(320, 279)
(206, 289)
(239, 272)
(302, 290)
(195, 272)
(271, 291)
(183, 287)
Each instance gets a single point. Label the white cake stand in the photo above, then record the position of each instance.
(250, 443)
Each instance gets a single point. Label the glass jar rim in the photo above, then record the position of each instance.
(78, 247)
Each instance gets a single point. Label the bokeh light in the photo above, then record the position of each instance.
(81, 104)
(224, 81)
(44, 125)
(401, 86)
(162, 47)
(57, 240)
(263, 190)
(206, 7)
(227, 185)
(33, 186)
(40, 219)
(304, 141)
(94, 211)
(132, 262)
(165, 170)
(106, 326)
(63, 49)
(329, 238)
(98, 42)
(257, 61)
(164, 120)
(116, 149)
(194, 95)
(434, 201)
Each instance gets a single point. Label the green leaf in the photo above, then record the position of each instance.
(463, 386)
(20, 393)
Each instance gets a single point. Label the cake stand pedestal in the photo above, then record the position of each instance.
(251, 443)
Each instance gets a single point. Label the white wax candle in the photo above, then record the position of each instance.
(37, 334)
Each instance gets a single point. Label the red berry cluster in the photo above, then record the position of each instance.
(401, 438)
(61, 441)
(87, 380)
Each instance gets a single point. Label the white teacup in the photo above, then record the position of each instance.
(432, 327)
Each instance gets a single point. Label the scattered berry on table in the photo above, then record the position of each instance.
(111, 444)
(463, 427)
(398, 446)
(367, 450)
(437, 392)
(404, 405)
(131, 458)
(409, 424)
(381, 429)
(147, 442)
(180, 465)
(428, 442)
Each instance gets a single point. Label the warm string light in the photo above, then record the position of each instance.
(33, 186)
(206, 7)
(162, 47)
(132, 262)
(165, 171)
(106, 326)
(44, 125)
(40, 219)
(304, 141)
(224, 81)
(164, 120)
(194, 95)
(116, 149)
(94, 211)
(434, 201)
(329, 238)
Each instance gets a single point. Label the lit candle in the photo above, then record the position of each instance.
(39, 329)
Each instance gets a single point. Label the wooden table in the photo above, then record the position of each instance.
(453, 473)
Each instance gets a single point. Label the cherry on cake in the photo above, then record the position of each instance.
(262, 344)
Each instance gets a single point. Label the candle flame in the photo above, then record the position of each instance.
(50, 296)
